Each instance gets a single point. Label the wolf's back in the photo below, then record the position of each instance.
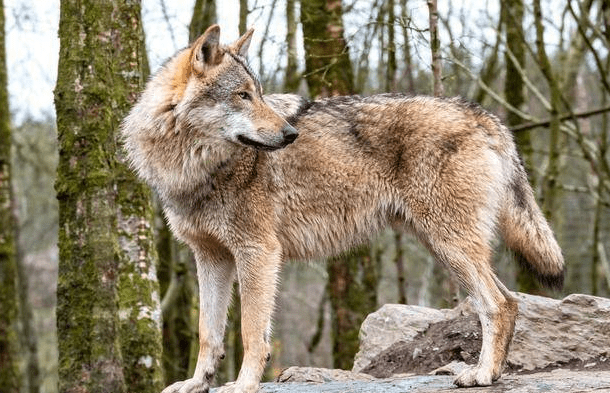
(526, 231)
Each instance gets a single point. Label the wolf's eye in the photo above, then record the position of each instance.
(244, 95)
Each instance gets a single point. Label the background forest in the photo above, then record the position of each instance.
(91, 280)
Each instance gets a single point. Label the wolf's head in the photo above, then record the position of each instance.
(195, 110)
(215, 91)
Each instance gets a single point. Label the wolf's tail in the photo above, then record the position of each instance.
(526, 231)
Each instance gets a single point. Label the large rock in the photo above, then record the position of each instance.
(389, 325)
(573, 332)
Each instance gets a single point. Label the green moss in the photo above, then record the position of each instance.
(104, 342)
(327, 63)
(353, 279)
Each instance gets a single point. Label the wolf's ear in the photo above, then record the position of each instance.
(206, 49)
(241, 46)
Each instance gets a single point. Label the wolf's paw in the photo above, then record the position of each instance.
(475, 376)
(233, 387)
(189, 386)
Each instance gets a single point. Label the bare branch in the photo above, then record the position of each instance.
(598, 61)
(567, 116)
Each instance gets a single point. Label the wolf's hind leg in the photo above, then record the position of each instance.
(215, 277)
(497, 309)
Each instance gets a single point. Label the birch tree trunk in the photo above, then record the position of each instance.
(108, 311)
(10, 378)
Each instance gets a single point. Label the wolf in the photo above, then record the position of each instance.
(249, 181)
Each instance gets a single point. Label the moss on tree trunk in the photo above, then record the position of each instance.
(329, 71)
(353, 295)
(108, 314)
(10, 378)
(204, 15)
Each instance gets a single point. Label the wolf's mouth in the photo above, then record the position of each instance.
(257, 145)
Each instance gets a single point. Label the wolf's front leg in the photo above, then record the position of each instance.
(215, 277)
(257, 276)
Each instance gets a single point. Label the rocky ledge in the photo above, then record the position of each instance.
(559, 346)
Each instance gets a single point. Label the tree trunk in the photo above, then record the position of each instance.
(390, 78)
(108, 312)
(327, 63)
(29, 339)
(400, 268)
(179, 298)
(435, 48)
(410, 80)
(512, 16)
(599, 262)
(549, 187)
(204, 15)
(243, 16)
(353, 295)
(292, 78)
(352, 276)
(10, 378)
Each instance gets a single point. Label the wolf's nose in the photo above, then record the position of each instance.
(290, 133)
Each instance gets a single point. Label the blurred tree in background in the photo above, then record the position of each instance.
(10, 378)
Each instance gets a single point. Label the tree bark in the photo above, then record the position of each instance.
(512, 15)
(292, 78)
(352, 276)
(108, 311)
(243, 16)
(204, 15)
(400, 268)
(390, 78)
(549, 187)
(353, 295)
(10, 377)
(435, 48)
(410, 80)
(328, 67)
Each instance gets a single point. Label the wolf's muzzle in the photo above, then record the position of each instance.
(288, 135)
